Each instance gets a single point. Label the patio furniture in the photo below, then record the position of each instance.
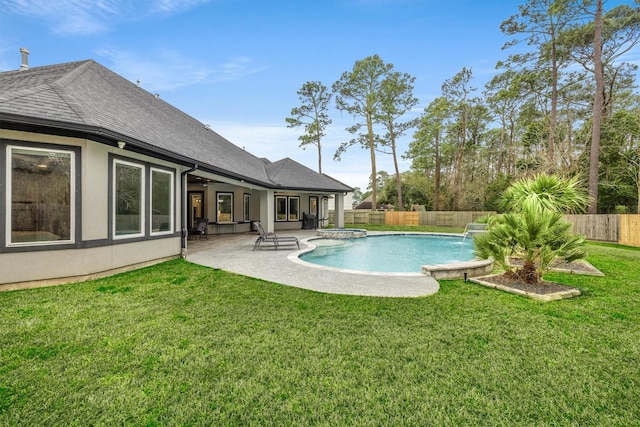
(223, 223)
(200, 229)
(265, 237)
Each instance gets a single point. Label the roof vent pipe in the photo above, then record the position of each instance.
(25, 58)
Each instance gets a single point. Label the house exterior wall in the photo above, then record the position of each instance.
(58, 266)
(94, 250)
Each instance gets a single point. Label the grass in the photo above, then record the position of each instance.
(181, 344)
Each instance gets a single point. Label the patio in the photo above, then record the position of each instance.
(233, 252)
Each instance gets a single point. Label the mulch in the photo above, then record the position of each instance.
(578, 267)
(546, 287)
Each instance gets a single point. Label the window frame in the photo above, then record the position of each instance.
(143, 200)
(218, 201)
(246, 207)
(279, 214)
(297, 200)
(171, 214)
(73, 190)
(286, 215)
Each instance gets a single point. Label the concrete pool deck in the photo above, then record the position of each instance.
(234, 253)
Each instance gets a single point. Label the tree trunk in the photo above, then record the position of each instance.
(398, 178)
(374, 172)
(597, 111)
(554, 109)
(319, 152)
(501, 149)
(436, 175)
(457, 180)
(638, 190)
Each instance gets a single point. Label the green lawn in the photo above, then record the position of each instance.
(180, 344)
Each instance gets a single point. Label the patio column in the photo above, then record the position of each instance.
(339, 210)
(267, 210)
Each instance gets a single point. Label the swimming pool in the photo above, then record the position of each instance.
(390, 253)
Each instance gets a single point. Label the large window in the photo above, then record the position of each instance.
(161, 201)
(41, 196)
(246, 208)
(294, 208)
(128, 199)
(225, 207)
(281, 208)
(287, 208)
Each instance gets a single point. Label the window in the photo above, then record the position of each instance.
(313, 205)
(225, 207)
(128, 199)
(246, 208)
(294, 208)
(287, 208)
(41, 196)
(281, 208)
(161, 201)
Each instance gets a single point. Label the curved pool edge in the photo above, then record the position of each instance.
(295, 257)
(454, 270)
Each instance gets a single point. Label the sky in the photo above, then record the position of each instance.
(237, 65)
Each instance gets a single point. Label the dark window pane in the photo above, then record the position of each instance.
(41, 195)
(128, 199)
(161, 201)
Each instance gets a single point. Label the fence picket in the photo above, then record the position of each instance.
(623, 229)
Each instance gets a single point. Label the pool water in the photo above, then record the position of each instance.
(393, 253)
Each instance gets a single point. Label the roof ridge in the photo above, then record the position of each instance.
(73, 74)
(59, 85)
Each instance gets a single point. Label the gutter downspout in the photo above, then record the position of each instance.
(183, 226)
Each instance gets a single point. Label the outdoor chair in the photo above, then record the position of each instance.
(272, 238)
(201, 228)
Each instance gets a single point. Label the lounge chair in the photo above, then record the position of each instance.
(265, 237)
(201, 228)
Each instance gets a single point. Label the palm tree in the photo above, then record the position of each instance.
(546, 192)
(534, 231)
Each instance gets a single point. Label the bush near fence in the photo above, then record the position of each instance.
(622, 229)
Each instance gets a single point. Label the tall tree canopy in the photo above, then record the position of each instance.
(312, 114)
(541, 22)
(396, 100)
(358, 92)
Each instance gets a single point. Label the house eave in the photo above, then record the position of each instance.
(108, 137)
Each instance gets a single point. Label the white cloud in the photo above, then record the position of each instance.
(67, 16)
(82, 17)
(165, 69)
(276, 142)
(270, 141)
(170, 6)
(5, 48)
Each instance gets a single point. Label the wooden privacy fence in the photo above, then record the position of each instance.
(629, 230)
(605, 228)
(411, 218)
(623, 229)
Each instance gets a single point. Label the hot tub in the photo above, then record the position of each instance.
(342, 233)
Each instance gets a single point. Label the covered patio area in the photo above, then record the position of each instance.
(235, 253)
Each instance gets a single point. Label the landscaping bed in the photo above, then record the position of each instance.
(546, 290)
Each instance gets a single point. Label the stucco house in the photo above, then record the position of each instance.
(100, 175)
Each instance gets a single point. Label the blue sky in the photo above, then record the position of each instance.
(237, 64)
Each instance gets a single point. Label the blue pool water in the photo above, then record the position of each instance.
(397, 253)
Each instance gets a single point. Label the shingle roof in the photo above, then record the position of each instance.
(291, 174)
(89, 96)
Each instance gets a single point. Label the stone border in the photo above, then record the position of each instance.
(341, 233)
(459, 270)
(540, 297)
